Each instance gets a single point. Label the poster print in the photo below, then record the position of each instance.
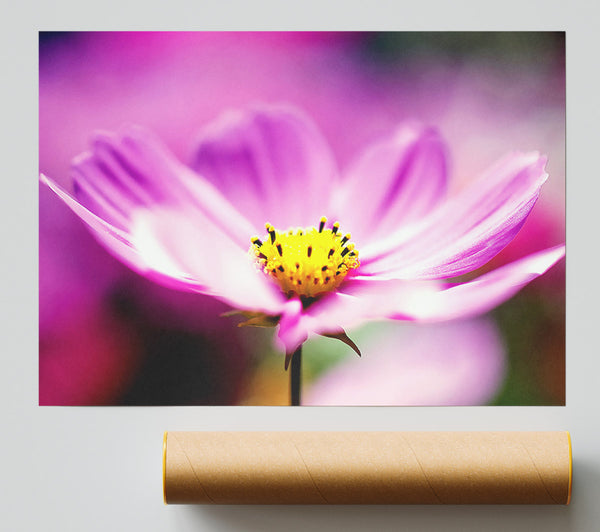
(302, 218)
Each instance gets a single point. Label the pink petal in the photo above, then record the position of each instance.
(271, 163)
(488, 291)
(182, 250)
(362, 301)
(368, 299)
(365, 300)
(468, 230)
(187, 245)
(119, 244)
(412, 365)
(133, 169)
(292, 331)
(115, 239)
(395, 182)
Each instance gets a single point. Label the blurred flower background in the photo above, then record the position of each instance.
(109, 336)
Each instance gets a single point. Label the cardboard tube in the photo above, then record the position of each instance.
(367, 467)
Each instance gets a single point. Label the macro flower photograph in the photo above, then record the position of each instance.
(302, 218)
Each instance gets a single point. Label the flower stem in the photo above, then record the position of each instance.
(295, 377)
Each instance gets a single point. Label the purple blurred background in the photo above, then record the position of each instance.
(108, 336)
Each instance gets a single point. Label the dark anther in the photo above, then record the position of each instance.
(262, 256)
(297, 265)
(324, 269)
(345, 239)
(331, 252)
(257, 242)
(281, 269)
(327, 279)
(321, 226)
(335, 228)
(272, 234)
(280, 250)
(345, 251)
(309, 251)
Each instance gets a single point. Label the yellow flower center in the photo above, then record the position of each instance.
(308, 261)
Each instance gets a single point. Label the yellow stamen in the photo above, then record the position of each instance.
(308, 261)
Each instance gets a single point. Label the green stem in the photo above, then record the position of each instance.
(295, 377)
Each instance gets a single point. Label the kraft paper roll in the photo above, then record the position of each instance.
(367, 467)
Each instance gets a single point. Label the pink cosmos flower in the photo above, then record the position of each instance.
(250, 222)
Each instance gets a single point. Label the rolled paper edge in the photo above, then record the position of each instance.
(570, 468)
(567, 502)
(164, 467)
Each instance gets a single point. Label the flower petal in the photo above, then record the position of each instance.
(115, 238)
(188, 245)
(292, 331)
(465, 232)
(183, 249)
(486, 292)
(368, 299)
(395, 182)
(364, 300)
(412, 365)
(272, 163)
(361, 301)
(133, 169)
(119, 243)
